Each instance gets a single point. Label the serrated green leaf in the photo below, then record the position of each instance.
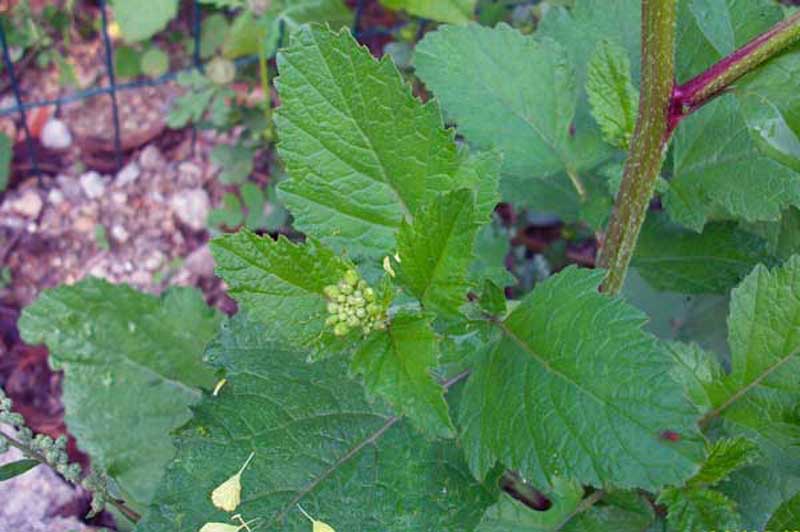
(129, 360)
(536, 403)
(695, 369)
(317, 443)
(725, 456)
(772, 112)
(280, 284)
(510, 515)
(721, 166)
(491, 248)
(582, 29)
(436, 252)
(480, 171)
(15, 469)
(526, 115)
(699, 510)
(450, 11)
(787, 517)
(760, 393)
(612, 96)
(398, 364)
(141, 19)
(719, 172)
(677, 260)
(362, 153)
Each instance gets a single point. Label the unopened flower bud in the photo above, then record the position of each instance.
(340, 329)
(352, 278)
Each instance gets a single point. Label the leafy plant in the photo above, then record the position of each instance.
(378, 377)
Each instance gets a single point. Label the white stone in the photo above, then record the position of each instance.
(128, 174)
(191, 206)
(55, 196)
(151, 158)
(56, 135)
(119, 233)
(29, 204)
(92, 185)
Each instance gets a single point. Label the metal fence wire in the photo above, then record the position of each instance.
(21, 107)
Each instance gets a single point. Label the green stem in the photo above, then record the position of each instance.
(648, 142)
(30, 453)
(662, 106)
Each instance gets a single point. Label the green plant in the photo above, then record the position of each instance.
(378, 378)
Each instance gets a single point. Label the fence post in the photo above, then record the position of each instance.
(112, 84)
(18, 98)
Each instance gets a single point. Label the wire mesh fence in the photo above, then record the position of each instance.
(112, 87)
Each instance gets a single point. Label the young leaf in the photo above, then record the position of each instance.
(783, 237)
(361, 151)
(435, 252)
(674, 259)
(317, 442)
(279, 283)
(760, 393)
(537, 405)
(141, 19)
(492, 245)
(759, 490)
(510, 515)
(15, 469)
(613, 97)
(397, 363)
(450, 11)
(725, 456)
(132, 367)
(698, 509)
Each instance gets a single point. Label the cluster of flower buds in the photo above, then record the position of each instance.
(352, 304)
(49, 451)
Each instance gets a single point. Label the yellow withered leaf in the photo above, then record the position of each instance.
(316, 526)
(225, 527)
(228, 495)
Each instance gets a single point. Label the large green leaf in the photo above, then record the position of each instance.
(141, 19)
(317, 443)
(583, 29)
(132, 367)
(452, 11)
(576, 388)
(280, 283)
(361, 151)
(515, 93)
(436, 252)
(398, 364)
(720, 172)
(760, 394)
(674, 259)
(733, 158)
(699, 510)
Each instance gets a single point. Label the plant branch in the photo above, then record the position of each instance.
(648, 143)
(715, 80)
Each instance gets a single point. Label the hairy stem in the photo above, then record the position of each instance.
(714, 81)
(30, 453)
(648, 142)
(662, 106)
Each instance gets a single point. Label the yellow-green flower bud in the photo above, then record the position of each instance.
(331, 291)
(352, 321)
(360, 312)
(351, 277)
(332, 320)
(369, 294)
(341, 298)
(333, 308)
(341, 329)
(362, 285)
(345, 288)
